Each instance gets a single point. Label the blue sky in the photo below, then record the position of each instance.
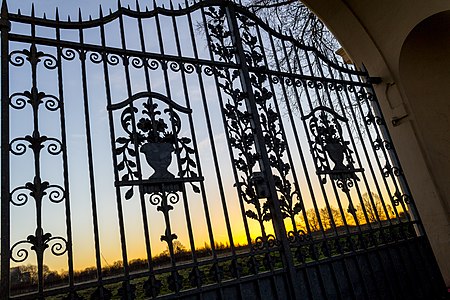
(23, 217)
(70, 7)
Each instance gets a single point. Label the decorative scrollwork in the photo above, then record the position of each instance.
(155, 198)
(209, 71)
(59, 246)
(54, 147)
(274, 79)
(289, 81)
(379, 144)
(173, 198)
(400, 198)
(371, 119)
(17, 146)
(39, 242)
(298, 236)
(20, 196)
(50, 61)
(18, 100)
(96, 57)
(265, 242)
(34, 98)
(19, 255)
(334, 86)
(37, 189)
(137, 62)
(389, 170)
(112, 59)
(56, 194)
(315, 84)
(152, 64)
(69, 54)
(17, 58)
(36, 143)
(175, 66)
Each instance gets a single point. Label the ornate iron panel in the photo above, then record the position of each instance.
(206, 154)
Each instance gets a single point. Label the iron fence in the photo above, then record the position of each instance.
(207, 154)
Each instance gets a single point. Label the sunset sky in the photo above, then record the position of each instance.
(23, 217)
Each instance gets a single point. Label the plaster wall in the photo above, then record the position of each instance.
(407, 44)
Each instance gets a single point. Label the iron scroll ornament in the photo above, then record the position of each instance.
(157, 138)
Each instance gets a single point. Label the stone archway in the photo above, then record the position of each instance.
(424, 69)
(407, 44)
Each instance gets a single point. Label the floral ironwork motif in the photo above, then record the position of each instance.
(153, 128)
(157, 138)
(240, 119)
(328, 144)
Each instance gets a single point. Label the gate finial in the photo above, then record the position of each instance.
(57, 14)
(32, 10)
(4, 7)
(100, 11)
(80, 17)
(138, 9)
(4, 10)
(4, 23)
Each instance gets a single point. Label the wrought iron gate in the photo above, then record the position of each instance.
(207, 154)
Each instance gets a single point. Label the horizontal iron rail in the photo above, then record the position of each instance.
(174, 58)
(163, 270)
(212, 286)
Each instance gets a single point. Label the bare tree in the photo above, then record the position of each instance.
(293, 17)
(374, 209)
(312, 219)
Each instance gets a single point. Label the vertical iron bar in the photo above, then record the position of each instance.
(194, 139)
(169, 95)
(37, 161)
(128, 292)
(87, 124)
(278, 221)
(5, 27)
(143, 204)
(65, 160)
(210, 132)
(123, 243)
(202, 186)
